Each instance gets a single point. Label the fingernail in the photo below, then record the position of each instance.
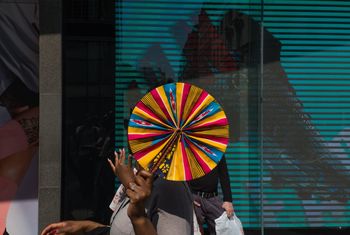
(53, 232)
(132, 185)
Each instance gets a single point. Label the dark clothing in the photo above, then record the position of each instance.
(209, 182)
(209, 210)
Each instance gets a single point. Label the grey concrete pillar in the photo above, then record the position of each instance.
(50, 134)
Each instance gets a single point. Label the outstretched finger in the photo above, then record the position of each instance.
(116, 157)
(51, 229)
(48, 229)
(122, 156)
(111, 164)
(63, 228)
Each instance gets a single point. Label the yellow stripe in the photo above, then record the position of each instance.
(196, 169)
(140, 131)
(206, 120)
(219, 146)
(179, 97)
(145, 115)
(192, 97)
(145, 160)
(204, 104)
(219, 131)
(164, 98)
(138, 145)
(176, 171)
(211, 164)
(149, 101)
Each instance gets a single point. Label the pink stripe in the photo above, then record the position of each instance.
(144, 108)
(160, 102)
(202, 96)
(146, 135)
(186, 90)
(202, 163)
(219, 122)
(209, 137)
(186, 164)
(144, 152)
(178, 115)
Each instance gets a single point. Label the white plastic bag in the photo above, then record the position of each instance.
(228, 226)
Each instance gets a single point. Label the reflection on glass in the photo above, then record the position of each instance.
(219, 52)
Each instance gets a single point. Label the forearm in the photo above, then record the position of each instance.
(226, 191)
(142, 225)
(90, 225)
(138, 192)
(225, 181)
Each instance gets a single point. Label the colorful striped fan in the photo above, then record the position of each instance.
(178, 131)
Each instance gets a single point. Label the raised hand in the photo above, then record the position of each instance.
(138, 192)
(123, 171)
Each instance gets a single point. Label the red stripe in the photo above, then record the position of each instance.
(144, 152)
(202, 163)
(185, 93)
(160, 102)
(220, 122)
(147, 110)
(186, 164)
(222, 140)
(202, 96)
(146, 135)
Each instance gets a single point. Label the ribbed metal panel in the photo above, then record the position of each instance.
(305, 109)
(307, 169)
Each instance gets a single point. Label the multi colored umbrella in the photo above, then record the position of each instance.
(178, 131)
